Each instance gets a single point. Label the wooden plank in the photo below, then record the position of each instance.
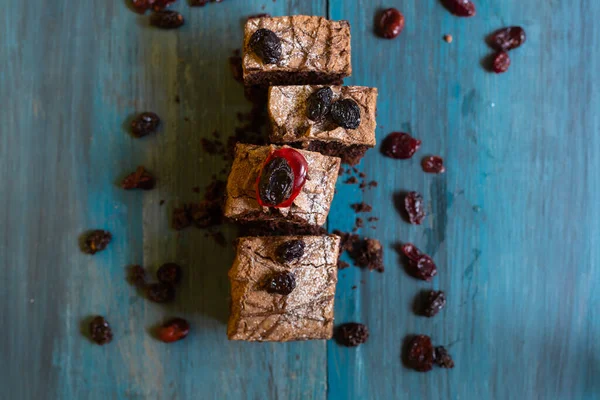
(513, 223)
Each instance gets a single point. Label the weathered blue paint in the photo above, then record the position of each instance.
(513, 224)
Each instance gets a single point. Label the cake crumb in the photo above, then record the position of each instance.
(448, 38)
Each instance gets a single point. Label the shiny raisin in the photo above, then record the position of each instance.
(346, 113)
(276, 182)
(507, 38)
(319, 104)
(400, 146)
(501, 62)
(281, 283)
(390, 23)
(137, 276)
(160, 292)
(351, 334)
(96, 241)
(420, 265)
(145, 124)
(140, 179)
(443, 358)
(100, 331)
(174, 330)
(411, 252)
(436, 300)
(413, 204)
(169, 273)
(460, 8)
(420, 354)
(433, 165)
(266, 45)
(290, 251)
(166, 19)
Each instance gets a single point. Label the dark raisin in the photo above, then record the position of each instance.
(433, 165)
(442, 358)
(182, 217)
(266, 45)
(290, 251)
(173, 330)
(390, 23)
(346, 113)
(413, 204)
(96, 241)
(501, 62)
(411, 252)
(420, 354)
(137, 276)
(276, 182)
(421, 265)
(319, 104)
(207, 213)
(351, 334)
(400, 146)
(166, 19)
(145, 124)
(460, 8)
(281, 283)
(436, 300)
(507, 38)
(160, 292)
(100, 331)
(140, 179)
(169, 273)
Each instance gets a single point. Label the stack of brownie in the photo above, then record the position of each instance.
(283, 287)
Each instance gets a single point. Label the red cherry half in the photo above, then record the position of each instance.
(281, 178)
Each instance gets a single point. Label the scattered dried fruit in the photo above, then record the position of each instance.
(507, 38)
(174, 330)
(145, 124)
(140, 179)
(290, 251)
(167, 19)
(100, 331)
(169, 273)
(319, 103)
(400, 146)
(281, 283)
(420, 354)
(435, 302)
(460, 8)
(346, 113)
(413, 204)
(352, 334)
(390, 23)
(501, 62)
(421, 265)
(281, 178)
(266, 45)
(160, 292)
(96, 241)
(442, 358)
(137, 276)
(433, 165)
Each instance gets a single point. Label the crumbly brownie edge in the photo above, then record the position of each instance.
(276, 78)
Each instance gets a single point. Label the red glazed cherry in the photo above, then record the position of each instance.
(281, 178)
(433, 165)
(501, 62)
(174, 330)
(400, 146)
(390, 23)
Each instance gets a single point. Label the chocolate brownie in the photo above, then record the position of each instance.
(310, 207)
(283, 295)
(291, 120)
(296, 50)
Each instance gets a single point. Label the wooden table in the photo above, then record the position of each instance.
(514, 223)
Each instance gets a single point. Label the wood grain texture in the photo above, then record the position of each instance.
(513, 225)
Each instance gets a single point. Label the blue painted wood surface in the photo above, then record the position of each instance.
(514, 223)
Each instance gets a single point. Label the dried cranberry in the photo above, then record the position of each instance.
(137, 276)
(281, 178)
(413, 204)
(421, 265)
(266, 45)
(436, 300)
(460, 8)
(420, 354)
(160, 292)
(319, 103)
(100, 331)
(169, 273)
(145, 124)
(501, 62)
(411, 252)
(352, 334)
(390, 23)
(290, 250)
(166, 19)
(400, 146)
(281, 283)
(507, 38)
(174, 330)
(96, 241)
(442, 358)
(140, 179)
(346, 113)
(433, 165)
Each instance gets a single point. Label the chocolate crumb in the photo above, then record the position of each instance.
(196, 189)
(95, 241)
(443, 358)
(140, 179)
(342, 264)
(160, 203)
(448, 38)
(359, 222)
(361, 207)
(351, 334)
(373, 184)
(136, 275)
(366, 253)
(371, 219)
(354, 287)
(362, 175)
(352, 180)
(177, 99)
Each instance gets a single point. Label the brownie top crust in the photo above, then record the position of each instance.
(289, 116)
(308, 43)
(310, 207)
(306, 312)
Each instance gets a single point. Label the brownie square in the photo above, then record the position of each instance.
(313, 50)
(310, 207)
(305, 313)
(288, 113)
